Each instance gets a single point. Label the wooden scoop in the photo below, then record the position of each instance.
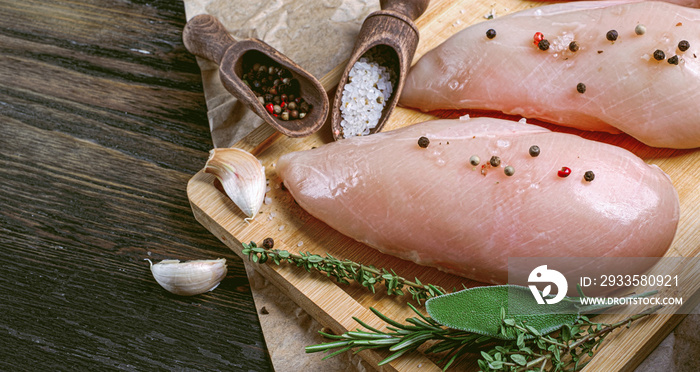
(206, 37)
(393, 32)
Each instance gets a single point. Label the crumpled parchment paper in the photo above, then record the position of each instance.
(319, 35)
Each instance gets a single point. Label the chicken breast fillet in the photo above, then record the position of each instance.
(432, 206)
(604, 85)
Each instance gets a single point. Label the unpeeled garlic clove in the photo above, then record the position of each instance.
(241, 175)
(189, 278)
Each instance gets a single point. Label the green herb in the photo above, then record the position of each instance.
(505, 340)
(478, 310)
(566, 350)
(345, 270)
(404, 338)
(530, 349)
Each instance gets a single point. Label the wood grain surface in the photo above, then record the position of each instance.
(103, 122)
(334, 305)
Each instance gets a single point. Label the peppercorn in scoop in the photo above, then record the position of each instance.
(276, 89)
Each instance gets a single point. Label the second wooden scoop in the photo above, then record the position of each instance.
(391, 31)
(206, 37)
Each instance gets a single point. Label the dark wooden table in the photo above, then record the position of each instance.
(103, 122)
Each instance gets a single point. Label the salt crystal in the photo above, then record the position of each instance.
(268, 200)
(464, 117)
(300, 244)
(280, 228)
(522, 121)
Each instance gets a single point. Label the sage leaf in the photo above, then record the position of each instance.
(478, 310)
(517, 358)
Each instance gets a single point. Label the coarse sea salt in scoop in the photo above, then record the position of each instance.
(369, 87)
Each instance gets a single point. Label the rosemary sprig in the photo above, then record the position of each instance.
(345, 270)
(403, 338)
(560, 351)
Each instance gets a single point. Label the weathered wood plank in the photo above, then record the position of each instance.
(103, 121)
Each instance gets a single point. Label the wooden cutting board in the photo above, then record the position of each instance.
(334, 305)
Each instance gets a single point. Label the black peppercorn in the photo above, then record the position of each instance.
(534, 151)
(588, 176)
(611, 35)
(683, 45)
(543, 44)
(581, 88)
(659, 55)
(490, 33)
(304, 107)
(495, 161)
(423, 142)
(282, 88)
(673, 60)
(573, 46)
(269, 243)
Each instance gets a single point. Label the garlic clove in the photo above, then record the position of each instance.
(242, 176)
(189, 278)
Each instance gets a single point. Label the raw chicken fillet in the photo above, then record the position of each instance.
(431, 206)
(626, 88)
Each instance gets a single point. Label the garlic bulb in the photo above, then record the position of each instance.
(241, 175)
(189, 278)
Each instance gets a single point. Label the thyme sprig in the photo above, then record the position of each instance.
(565, 350)
(345, 270)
